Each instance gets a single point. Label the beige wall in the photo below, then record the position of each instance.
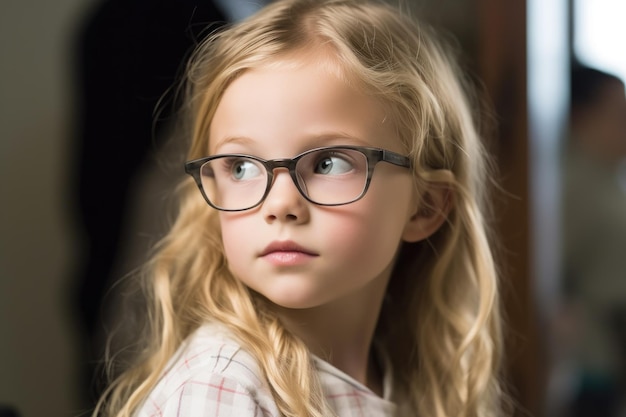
(37, 367)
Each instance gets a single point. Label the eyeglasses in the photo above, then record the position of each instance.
(329, 176)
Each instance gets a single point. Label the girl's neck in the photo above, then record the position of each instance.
(341, 333)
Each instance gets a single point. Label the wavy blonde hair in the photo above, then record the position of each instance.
(441, 320)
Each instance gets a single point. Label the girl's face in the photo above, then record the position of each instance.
(296, 253)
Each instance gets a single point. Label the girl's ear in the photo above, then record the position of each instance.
(432, 210)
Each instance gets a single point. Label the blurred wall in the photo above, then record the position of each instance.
(37, 371)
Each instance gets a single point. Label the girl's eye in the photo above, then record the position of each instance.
(242, 169)
(333, 165)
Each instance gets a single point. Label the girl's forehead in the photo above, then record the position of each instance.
(296, 95)
(320, 56)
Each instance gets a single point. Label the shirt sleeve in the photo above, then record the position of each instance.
(213, 396)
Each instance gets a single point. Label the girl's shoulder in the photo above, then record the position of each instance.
(210, 374)
(213, 350)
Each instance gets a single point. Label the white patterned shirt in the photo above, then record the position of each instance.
(212, 376)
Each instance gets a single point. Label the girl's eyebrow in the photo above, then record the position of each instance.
(240, 140)
(313, 141)
(339, 137)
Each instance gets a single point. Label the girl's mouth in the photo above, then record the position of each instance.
(287, 253)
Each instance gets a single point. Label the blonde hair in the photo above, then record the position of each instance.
(441, 319)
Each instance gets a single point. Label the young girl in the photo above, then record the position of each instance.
(330, 256)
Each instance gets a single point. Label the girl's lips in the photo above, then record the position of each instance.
(287, 253)
(287, 258)
(286, 247)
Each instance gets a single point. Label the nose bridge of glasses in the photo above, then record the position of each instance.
(283, 164)
(273, 164)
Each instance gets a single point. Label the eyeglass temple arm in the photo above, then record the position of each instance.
(396, 159)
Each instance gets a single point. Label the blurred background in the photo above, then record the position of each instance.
(84, 185)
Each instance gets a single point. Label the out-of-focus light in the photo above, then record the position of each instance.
(600, 34)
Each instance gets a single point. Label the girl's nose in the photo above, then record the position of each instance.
(284, 202)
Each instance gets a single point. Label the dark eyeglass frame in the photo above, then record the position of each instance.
(373, 156)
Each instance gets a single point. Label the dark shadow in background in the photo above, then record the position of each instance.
(7, 411)
(128, 54)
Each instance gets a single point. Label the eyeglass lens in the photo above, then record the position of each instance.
(324, 176)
